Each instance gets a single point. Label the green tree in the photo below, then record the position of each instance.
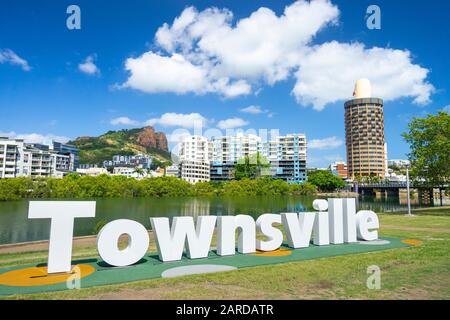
(253, 166)
(325, 181)
(429, 140)
(139, 171)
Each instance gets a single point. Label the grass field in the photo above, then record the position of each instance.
(421, 272)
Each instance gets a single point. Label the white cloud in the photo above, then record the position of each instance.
(172, 119)
(124, 121)
(253, 110)
(446, 109)
(204, 52)
(207, 52)
(232, 123)
(34, 137)
(326, 143)
(88, 66)
(178, 135)
(328, 73)
(9, 56)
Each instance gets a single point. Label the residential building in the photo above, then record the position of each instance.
(18, 158)
(398, 163)
(194, 171)
(221, 171)
(11, 157)
(139, 160)
(195, 148)
(70, 150)
(129, 172)
(229, 149)
(287, 157)
(173, 171)
(92, 171)
(364, 133)
(339, 168)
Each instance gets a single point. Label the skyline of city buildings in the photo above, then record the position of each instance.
(201, 159)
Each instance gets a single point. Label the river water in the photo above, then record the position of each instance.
(16, 227)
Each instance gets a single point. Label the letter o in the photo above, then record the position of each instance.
(108, 237)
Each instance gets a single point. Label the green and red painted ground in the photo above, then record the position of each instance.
(94, 272)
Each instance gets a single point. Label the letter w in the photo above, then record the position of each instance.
(172, 241)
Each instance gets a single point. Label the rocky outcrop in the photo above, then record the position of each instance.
(148, 138)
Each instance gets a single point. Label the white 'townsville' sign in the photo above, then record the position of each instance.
(340, 224)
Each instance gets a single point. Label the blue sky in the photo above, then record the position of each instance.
(56, 82)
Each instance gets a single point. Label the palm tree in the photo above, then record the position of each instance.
(139, 171)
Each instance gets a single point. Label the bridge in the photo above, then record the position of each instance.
(425, 195)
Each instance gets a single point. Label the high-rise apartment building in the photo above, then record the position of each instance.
(195, 154)
(11, 157)
(364, 133)
(287, 156)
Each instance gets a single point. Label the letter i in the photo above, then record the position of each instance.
(336, 221)
(321, 224)
(350, 220)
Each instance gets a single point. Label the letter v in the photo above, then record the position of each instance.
(298, 228)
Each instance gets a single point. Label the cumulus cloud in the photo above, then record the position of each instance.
(208, 52)
(9, 56)
(328, 72)
(172, 119)
(253, 110)
(446, 109)
(34, 137)
(325, 144)
(124, 121)
(232, 123)
(88, 66)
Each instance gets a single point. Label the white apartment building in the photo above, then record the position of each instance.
(11, 157)
(92, 171)
(18, 158)
(129, 172)
(173, 171)
(194, 171)
(194, 155)
(398, 163)
(287, 156)
(195, 148)
(229, 149)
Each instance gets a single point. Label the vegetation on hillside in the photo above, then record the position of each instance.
(95, 150)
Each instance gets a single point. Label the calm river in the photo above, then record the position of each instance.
(16, 227)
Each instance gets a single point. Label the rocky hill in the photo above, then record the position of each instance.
(95, 150)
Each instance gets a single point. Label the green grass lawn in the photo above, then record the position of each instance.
(421, 272)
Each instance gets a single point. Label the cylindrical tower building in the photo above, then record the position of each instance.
(364, 133)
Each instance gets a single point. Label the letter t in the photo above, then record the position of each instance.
(62, 215)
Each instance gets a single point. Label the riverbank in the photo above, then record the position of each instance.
(338, 194)
(420, 272)
(74, 186)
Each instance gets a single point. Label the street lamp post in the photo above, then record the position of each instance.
(407, 191)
